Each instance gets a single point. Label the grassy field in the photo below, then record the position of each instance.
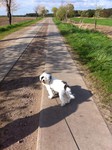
(106, 22)
(8, 29)
(95, 51)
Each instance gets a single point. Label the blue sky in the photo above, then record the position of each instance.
(27, 6)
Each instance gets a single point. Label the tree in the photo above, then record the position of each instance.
(61, 13)
(83, 13)
(106, 12)
(42, 11)
(10, 5)
(90, 13)
(65, 12)
(97, 14)
(54, 10)
(69, 10)
(36, 11)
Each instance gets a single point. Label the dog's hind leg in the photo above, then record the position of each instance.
(62, 98)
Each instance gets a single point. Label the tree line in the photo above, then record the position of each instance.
(105, 13)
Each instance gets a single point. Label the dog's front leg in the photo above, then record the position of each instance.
(50, 92)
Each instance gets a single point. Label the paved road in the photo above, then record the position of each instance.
(12, 47)
(77, 126)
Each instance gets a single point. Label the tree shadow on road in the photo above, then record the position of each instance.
(21, 82)
(18, 129)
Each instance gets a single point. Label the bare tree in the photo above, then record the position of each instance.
(97, 14)
(42, 11)
(10, 5)
(69, 11)
(36, 10)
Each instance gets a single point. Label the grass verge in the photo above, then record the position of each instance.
(103, 21)
(95, 51)
(6, 30)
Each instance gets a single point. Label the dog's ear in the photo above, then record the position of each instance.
(41, 78)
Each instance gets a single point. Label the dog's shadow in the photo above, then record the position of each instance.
(22, 127)
(54, 114)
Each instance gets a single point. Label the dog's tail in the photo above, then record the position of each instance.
(68, 92)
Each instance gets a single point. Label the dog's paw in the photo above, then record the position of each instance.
(68, 101)
(63, 104)
(72, 96)
(50, 97)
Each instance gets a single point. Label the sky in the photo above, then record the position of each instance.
(27, 6)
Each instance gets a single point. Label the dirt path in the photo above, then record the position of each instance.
(20, 95)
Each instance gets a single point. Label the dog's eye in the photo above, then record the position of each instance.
(43, 81)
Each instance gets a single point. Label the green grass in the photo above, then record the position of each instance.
(104, 21)
(95, 51)
(6, 30)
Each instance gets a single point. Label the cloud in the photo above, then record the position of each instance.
(88, 4)
(27, 6)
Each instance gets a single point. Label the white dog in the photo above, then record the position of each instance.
(55, 86)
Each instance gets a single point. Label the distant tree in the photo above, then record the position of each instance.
(83, 13)
(42, 11)
(49, 15)
(65, 12)
(76, 13)
(11, 6)
(106, 12)
(98, 12)
(69, 11)
(90, 13)
(36, 11)
(31, 15)
(60, 14)
(79, 12)
(97, 15)
(54, 10)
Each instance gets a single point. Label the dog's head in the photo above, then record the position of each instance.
(45, 78)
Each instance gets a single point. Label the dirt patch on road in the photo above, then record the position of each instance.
(20, 96)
